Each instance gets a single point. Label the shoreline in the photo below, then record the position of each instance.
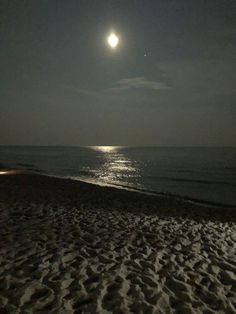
(73, 247)
(196, 201)
(171, 203)
(154, 193)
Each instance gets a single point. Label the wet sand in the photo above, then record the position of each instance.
(72, 247)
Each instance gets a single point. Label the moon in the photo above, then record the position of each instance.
(113, 40)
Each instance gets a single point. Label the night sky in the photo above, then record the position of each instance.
(170, 81)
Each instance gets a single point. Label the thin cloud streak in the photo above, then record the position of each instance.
(122, 85)
(139, 82)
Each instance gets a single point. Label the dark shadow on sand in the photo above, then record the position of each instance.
(39, 189)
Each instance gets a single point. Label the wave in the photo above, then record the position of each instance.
(192, 180)
(155, 193)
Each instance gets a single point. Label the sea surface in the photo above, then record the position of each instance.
(207, 174)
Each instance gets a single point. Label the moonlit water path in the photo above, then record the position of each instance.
(117, 167)
(202, 173)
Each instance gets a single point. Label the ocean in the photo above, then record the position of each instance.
(205, 174)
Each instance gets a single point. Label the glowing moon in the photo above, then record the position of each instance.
(113, 40)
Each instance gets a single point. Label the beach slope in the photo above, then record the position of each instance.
(72, 247)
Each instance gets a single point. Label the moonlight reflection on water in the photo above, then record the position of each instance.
(116, 165)
(106, 149)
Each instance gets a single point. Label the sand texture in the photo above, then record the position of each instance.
(71, 247)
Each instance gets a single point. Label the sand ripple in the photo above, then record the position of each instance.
(75, 258)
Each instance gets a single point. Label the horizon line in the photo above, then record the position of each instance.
(124, 146)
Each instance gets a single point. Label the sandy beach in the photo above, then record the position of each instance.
(72, 247)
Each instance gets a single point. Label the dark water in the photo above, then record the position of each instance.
(203, 173)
